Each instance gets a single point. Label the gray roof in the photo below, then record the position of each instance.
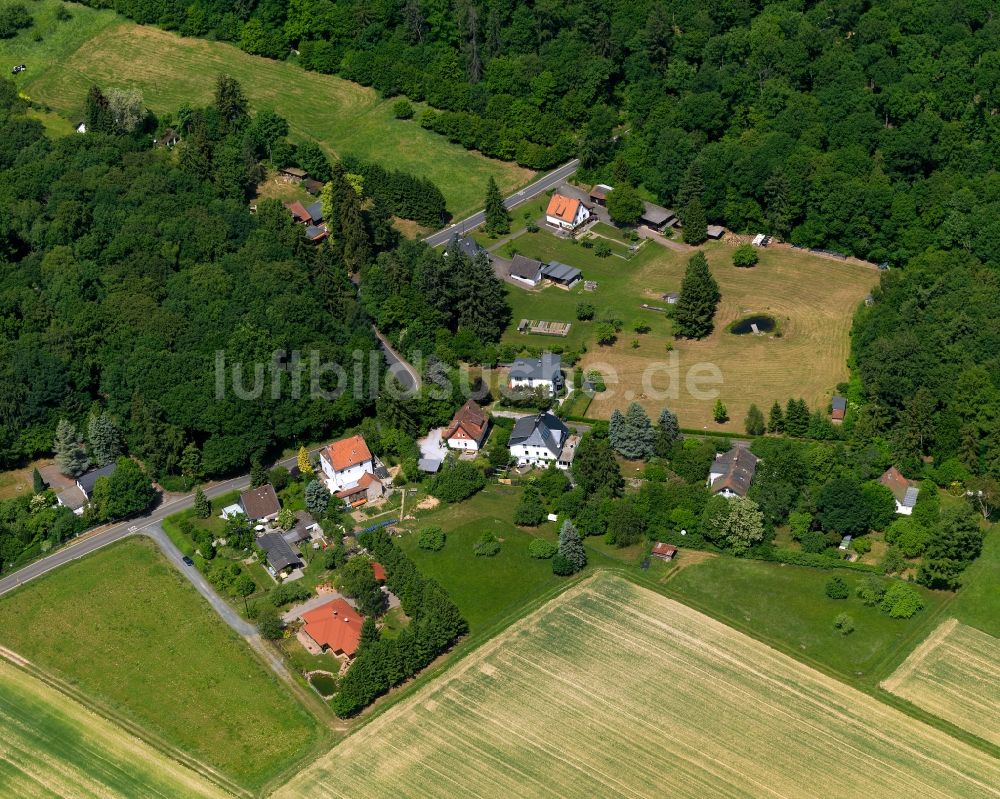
(910, 498)
(315, 211)
(544, 430)
(464, 244)
(87, 480)
(737, 467)
(72, 498)
(525, 268)
(429, 465)
(656, 214)
(555, 270)
(839, 403)
(279, 553)
(548, 367)
(715, 231)
(314, 232)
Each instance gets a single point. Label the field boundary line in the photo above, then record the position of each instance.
(918, 655)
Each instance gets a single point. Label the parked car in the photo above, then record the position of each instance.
(187, 561)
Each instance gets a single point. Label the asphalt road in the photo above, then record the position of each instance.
(407, 376)
(540, 186)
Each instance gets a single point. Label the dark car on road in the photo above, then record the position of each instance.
(187, 561)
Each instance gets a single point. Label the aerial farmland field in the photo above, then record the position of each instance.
(611, 689)
(53, 746)
(954, 674)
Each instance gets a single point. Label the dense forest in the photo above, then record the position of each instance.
(864, 127)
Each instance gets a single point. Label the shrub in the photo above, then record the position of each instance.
(870, 590)
(13, 18)
(542, 550)
(844, 623)
(487, 546)
(836, 588)
(655, 473)
(457, 481)
(745, 255)
(901, 601)
(268, 623)
(431, 538)
(585, 311)
(279, 477)
(286, 593)
(62, 14)
(562, 566)
(402, 109)
(602, 249)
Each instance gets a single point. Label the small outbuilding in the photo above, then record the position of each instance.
(280, 556)
(599, 194)
(715, 231)
(657, 217)
(293, 174)
(663, 551)
(838, 407)
(561, 275)
(525, 270)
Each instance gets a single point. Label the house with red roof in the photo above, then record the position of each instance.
(344, 463)
(379, 571)
(469, 428)
(368, 489)
(567, 213)
(334, 627)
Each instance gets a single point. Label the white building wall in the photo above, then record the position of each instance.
(345, 478)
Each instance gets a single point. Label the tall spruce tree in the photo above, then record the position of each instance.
(497, 218)
(595, 467)
(776, 419)
(638, 436)
(699, 297)
(482, 299)
(695, 223)
(616, 430)
(37, 483)
(103, 438)
(668, 431)
(258, 474)
(202, 504)
(571, 547)
(796, 417)
(71, 458)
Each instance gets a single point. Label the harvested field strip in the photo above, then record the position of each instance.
(954, 674)
(613, 690)
(54, 747)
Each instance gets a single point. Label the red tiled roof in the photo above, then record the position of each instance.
(334, 625)
(893, 480)
(471, 419)
(563, 208)
(299, 212)
(379, 571)
(662, 550)
(259, 503)
(365, 481)
(348, 452)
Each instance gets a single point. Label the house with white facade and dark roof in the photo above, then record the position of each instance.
(540, 439)
(732, 472)
(532, 373)
(525, 270)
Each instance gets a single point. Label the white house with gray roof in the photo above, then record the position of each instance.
(532, 373)
(540, 439)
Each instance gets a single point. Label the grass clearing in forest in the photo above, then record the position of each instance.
(610, 689)
(954, 674)
(99, 47)
(130, 633)
(54, 746)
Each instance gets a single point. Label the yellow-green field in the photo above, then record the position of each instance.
(51, 746)
(613, 690)
(812, 298)
(954, 674)
(99, 47)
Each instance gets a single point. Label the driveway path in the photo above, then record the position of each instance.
(540, 186)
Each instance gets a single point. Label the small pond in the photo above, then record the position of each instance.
(765, 324)
(326, 684)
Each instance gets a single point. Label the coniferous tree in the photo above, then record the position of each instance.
(258, 474)
(595, 467)
(720, 413)
(202, 504)
(482, 299)
(369, 632)
(695, 223)
(103, 438)
(571, 548)
(70, 455)
(754, 421)
(97, 114)
(231, 102)
(190, 462)
(317, 498)
(497, 217)
(692, 185)
(796, 417)
(776, 420)
(37, 483)
(637, 437)
(616, 430)
(699, 297)
(667, 432)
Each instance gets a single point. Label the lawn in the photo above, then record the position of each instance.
(99, 47)
(955, 674)
(786, 606)
(977, 602)
(128, 631)
(611, 690)
(54, 746)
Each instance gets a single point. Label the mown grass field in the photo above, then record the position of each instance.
(613, 690)
(954, 674)
(788, 606)
(99, 47)
(53, 746)
(977, 602)
(124, 628)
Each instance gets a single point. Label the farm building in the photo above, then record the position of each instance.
(469, 427)
(532, 373)
(260, 504)
(904, 491)
(525, 270)
(280, 557)
(561, 275)
(77, 496)
(663, 551)
(715, 231)
(334, 627)
(838, 407)
(732, 472)
(599, 194)
(657, 217)
(567, 213)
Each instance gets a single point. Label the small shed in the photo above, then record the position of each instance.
(599, 194)
(656, 216)
(845, 543)
(293, 174)
(671, 297)
(663, 551)
(314, 187)
(838, 407)
(715, 231)
(561, 274)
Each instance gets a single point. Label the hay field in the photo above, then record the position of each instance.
(812, 298)
(52, 746)
(613, 690)
(954, 674)
(98, 47)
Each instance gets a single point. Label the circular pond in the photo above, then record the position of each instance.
(760, 323)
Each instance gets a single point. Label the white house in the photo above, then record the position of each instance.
(344, 462)
(468, 428)
(533, 373)
(732, 472)
(77, 497)
(567, 213)
(904, 491)
(541, 439)
(525, 270)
